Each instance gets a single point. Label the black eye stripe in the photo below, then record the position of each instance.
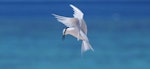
(66, 27)
(65, 30)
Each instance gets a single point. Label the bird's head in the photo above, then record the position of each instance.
(64, 33)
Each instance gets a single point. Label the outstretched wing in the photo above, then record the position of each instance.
(67, 21)
(77, 13)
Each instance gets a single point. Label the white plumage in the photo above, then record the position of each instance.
(76, 27)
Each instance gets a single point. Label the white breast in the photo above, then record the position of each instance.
(74, 32)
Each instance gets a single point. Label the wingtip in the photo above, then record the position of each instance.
(53, 14)
(71, 5)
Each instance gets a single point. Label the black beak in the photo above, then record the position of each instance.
(63, 37)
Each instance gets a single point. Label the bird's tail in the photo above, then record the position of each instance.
(86, 46)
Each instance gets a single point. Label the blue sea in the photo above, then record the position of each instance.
(30, 37)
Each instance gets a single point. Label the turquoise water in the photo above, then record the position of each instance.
(30, 37)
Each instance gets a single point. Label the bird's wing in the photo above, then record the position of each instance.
(83, 26)
(69, 22)
(77, 13)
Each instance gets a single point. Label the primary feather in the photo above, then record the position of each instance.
(77, 13)
(67, 21)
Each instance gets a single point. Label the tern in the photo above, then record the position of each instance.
(76, 27)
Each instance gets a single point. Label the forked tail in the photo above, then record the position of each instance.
(86, 46)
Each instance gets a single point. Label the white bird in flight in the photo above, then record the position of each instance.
(76, 27)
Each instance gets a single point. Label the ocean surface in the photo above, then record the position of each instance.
(30, 37)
